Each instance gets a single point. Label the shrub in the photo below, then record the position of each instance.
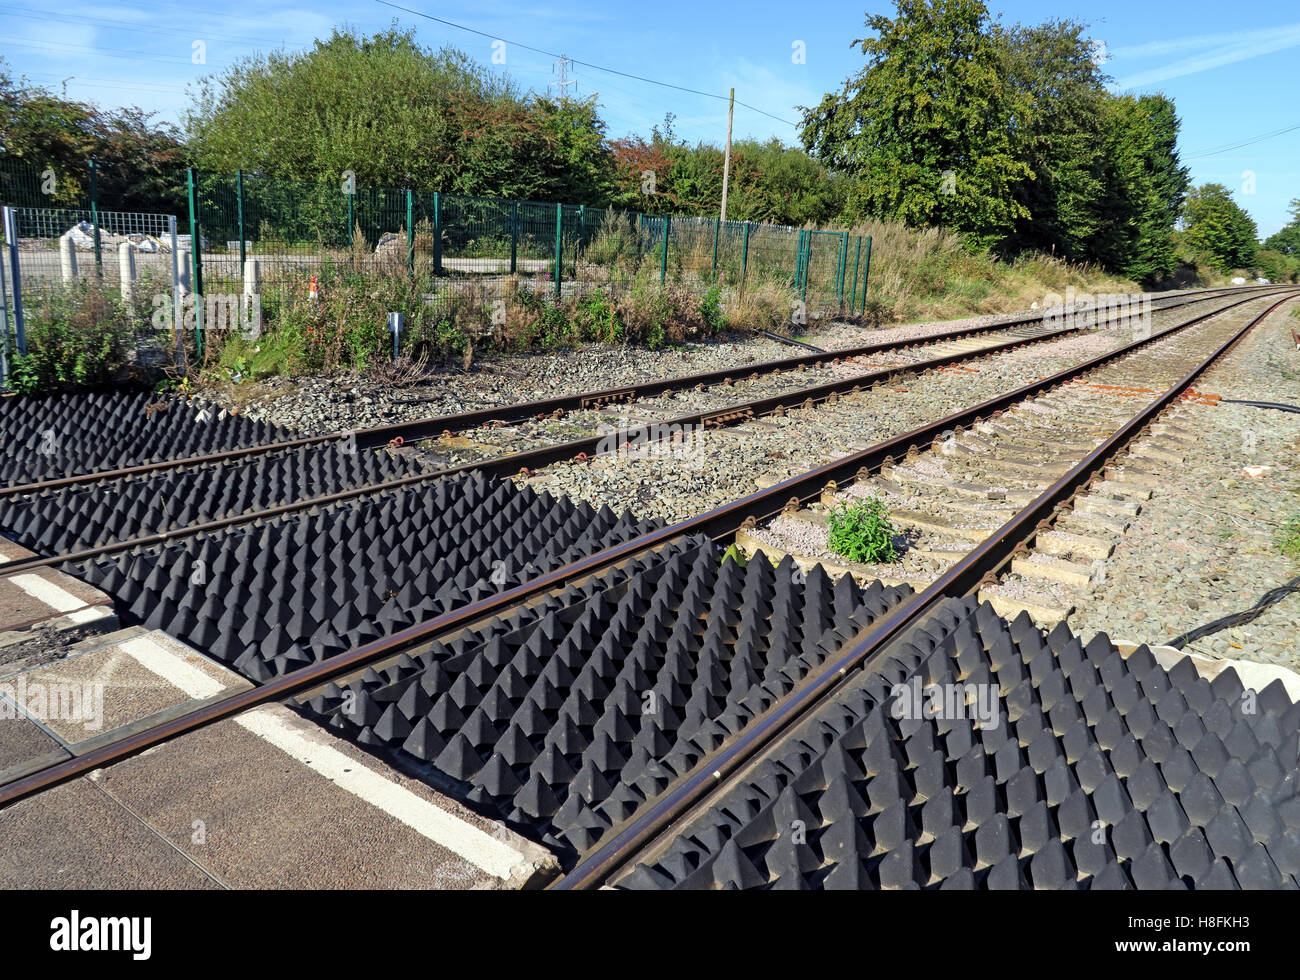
(77, 334)
(595, 319)
(1288, 538)
(765, 304)
(616, 243)
(862, 532)
(711, 310)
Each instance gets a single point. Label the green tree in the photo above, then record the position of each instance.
(777, 183)
(141, 163)
(396, 114)
(581, 150)
(1277, 266)
(45, 131)
(925, 129)
(1144, 187)
(1217, 227)
(1287, 240)
(1060, 91)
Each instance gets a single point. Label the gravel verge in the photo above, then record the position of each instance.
(1204, 545)
(711, 467)
(315, 404)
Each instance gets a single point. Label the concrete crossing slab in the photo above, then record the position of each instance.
(267, 799)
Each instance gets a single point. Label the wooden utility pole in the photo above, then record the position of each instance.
(726, 160)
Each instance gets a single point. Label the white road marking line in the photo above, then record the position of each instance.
(88, 615)
(443, 828)
(474, 845)
(58, 598)
(172, 668)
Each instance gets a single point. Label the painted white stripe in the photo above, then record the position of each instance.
(171, 668)
(445, 829)
(482, 849)
(87, 615)
(57, 598)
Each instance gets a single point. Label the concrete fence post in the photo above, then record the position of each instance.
(178, 302)
(126, 271)
(252, 277)
(185, 277)
(67, 258)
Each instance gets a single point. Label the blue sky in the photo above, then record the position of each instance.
(1230, 69)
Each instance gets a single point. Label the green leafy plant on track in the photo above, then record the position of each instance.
(1288, 538)
(736, 555)
(862, 532)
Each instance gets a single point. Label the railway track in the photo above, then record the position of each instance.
(86, 516)
(528, 696)
(58, 439)
(979, 644)
(951, 497)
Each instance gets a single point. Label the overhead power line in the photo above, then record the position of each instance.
(585, 64)
(1248, 141)
(125, 26)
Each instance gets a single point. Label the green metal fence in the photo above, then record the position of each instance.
(293, 229)
(277, 234)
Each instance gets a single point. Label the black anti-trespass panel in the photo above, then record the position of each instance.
(68, 434)
(83, 516)
(1104, 772)
(270, 598)
(567, 726)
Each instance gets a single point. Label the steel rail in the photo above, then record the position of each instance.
(680, 804)
(592, 399)
(437, 425)
(717, 523)
(524, 460)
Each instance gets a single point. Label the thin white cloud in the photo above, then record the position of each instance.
(1198, 42)
(1275, 41)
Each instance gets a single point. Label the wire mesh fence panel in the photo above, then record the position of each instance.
(458, 265)
(614, 248)
(290, 228)
(482, 235)
(822, 265)
(87, 321)
(773, 255)
(63, 244)
(296, 229)
(32, 185)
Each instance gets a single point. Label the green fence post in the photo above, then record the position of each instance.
(842, 270)
(663, 255)
(514, 237)
(559, 245)
(807, 261)
(857, 260)
(866, 274)
(196, 260)
(239, 189)
(94, 217)
(744, 257)
(410, 231)
(717, 229)
(437, 234)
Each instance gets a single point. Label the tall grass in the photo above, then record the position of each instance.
(930, 274)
